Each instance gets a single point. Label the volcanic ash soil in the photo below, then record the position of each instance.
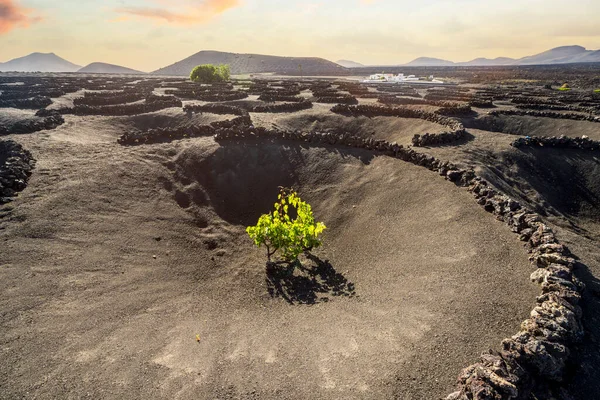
(115, 258)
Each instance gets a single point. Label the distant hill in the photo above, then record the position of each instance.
(429, 62)
(489, 61)
(558, 55)
(349, 64)
(592, 56)
(104, 68)
(255, 63)
(554, 56)
(42, 62)
(561, 55)
(259, 63)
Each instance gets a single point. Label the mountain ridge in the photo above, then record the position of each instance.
(106, 68)
(350, 64)
(39, 62)
(557, 55)
(242, 63)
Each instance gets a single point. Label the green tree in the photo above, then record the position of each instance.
(208, 73)
(279, 230)
(224, 72)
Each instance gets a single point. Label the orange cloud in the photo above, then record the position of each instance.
(200, 13)
(12, 15)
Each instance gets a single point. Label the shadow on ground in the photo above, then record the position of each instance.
(313, 282)
(240, 180)
(582, 375)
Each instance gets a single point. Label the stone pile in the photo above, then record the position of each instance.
(564, 142)
(16, 165)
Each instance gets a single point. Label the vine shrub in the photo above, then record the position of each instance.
(279, 230)
(209, 73)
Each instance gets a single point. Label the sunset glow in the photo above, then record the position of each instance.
(148, 34)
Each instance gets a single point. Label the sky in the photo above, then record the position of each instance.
(149, 34)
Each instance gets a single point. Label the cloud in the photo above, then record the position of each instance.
(12, 15)
(195, 13)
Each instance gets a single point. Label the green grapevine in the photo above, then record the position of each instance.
(279, 230)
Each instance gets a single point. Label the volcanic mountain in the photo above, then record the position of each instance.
(562, 55)
(557, 55)
(255, 63)
(349, 64)
(39, 62)
(482, 61)
(104, 68)
(429, 62)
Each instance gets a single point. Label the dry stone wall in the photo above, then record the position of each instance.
(436, 139)
(337, 98)
(583, 143)
(152, 103)
(215, 108)
(282, 108)
(547, 114)
(275, 96)
(457, 131)
(456, 111)
(536, 356)
(16, 165)
(114, 98)
(32, 103)
(162, 135)
(51, 120)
